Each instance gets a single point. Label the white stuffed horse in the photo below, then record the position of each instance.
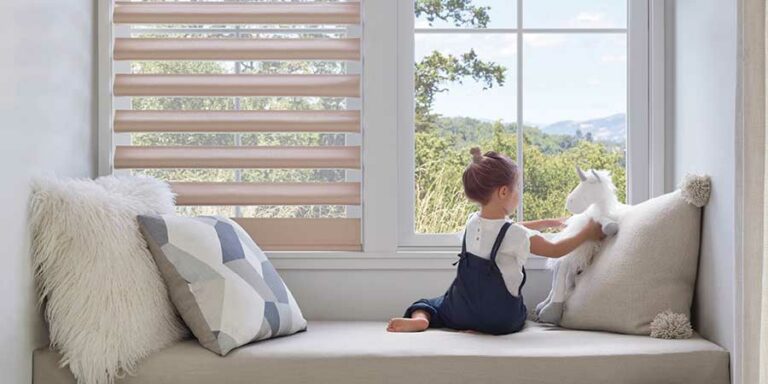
(594, 198)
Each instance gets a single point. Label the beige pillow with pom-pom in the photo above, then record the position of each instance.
(647, 268)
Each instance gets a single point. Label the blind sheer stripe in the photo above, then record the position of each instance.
(236, 13)
(236, 49)
(211, 193)
(237, 85)
(304, 234)
(146, 157)
(236, 121)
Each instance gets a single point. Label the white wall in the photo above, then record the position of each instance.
(381, 294)
(702, 39)
(47, 76)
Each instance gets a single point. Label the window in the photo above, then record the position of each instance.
(258, 112)
(249, 109)
(551, 83)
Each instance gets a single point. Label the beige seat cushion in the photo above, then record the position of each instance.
(363, 352)
(648, 267)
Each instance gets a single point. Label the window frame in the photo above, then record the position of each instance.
(645, 154)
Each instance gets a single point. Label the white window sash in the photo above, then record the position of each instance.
(645, 138)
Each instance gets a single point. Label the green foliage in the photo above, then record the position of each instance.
(442, 155)
(459, 12)
(228, 139)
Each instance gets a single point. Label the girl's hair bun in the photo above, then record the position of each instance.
(486, 173)
(477, 155)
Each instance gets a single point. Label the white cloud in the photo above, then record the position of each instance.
(610, 58)
(507, 52)
(421, 23)
(498, 47)
(488, 46)
(543, 40)
(590, 17)
(591, 20)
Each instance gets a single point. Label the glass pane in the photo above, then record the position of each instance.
(466, 14)
(465, 96)
(199, 175)
(267, 211)
(226, 211)
(241, 30)
(295, 211)
(575, 89)
(575, 13)
(297, 67)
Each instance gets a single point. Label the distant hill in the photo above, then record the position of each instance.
(551, 139)
(611, 128)
(470, 131)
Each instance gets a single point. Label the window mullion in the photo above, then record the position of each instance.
(520, 160)
(238, 135)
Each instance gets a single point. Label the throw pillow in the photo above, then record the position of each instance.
(648, 267)
(222, 284)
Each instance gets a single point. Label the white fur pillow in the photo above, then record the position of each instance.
(105, 302)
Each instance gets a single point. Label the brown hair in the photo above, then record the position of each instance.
(486, 173)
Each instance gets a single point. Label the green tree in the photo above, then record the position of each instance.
(458, 12)
(548, 178)
(436, 71)
(228, 139)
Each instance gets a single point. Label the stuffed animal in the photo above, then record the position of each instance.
(594, 198)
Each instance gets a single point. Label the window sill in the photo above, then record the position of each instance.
(401, 260)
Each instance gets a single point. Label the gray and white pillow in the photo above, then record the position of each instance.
(222, 284)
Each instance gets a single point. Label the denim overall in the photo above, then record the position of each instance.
(478, 299)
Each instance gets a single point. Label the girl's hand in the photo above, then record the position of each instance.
(558, 223)
(544, 247)
(593, 231)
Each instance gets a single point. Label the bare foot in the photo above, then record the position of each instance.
(403, 324)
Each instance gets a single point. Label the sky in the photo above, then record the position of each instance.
(565, 76)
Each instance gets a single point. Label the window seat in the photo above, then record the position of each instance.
(363, 352)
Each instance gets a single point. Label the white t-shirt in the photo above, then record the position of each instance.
(481, 234)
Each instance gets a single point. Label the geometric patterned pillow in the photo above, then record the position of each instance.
(222, 284)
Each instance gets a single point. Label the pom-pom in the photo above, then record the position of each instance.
(477, 154)
(670, 325)
(696, 189)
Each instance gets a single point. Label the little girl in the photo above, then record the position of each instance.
(486, 295)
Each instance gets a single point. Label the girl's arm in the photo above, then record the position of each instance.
(540, 225)
(543, 247)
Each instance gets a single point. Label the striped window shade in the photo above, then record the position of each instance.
(249, 109)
